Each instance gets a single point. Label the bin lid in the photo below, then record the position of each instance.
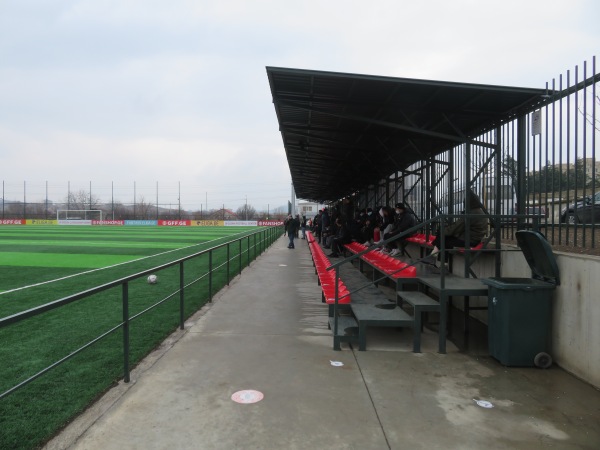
(539, 256)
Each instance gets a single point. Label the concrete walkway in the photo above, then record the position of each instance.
(267, 332)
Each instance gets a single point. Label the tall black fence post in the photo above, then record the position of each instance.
(228, 263)
(181, 296)
(210, 271)
(248, 256)
(240, 255)
(126, 332)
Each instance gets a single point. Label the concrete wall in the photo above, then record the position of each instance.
(576, 308)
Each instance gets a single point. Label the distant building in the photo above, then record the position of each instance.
(308, 209)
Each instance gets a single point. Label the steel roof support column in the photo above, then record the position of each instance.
(521, 167)
(498, 206)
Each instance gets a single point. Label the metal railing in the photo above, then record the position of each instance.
(252, 244)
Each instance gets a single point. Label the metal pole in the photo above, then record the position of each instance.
(228, 264)
(181, 299)
(112, 198)
(240, 255)
(126, 332)
(210, 276)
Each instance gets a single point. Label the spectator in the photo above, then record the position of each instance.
(325, 225)
(385, 222)
(402, 222)
(455, 234)
(303, 227)
(316, 226)
(293, 226)
(368, 227)
(341, 237)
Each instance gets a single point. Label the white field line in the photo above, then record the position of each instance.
(109, 267)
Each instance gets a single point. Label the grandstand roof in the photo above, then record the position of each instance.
(342, 132)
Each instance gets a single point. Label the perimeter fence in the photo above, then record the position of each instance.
(135, 201)
(538, 168)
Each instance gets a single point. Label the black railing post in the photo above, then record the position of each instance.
(248, 256)
(126, 332)
(240, 255)
(228, 264)
(210, 275)
(181, 299)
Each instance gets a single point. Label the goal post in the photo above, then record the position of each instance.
(79, 214)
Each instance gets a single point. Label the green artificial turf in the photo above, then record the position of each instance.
(32, 414)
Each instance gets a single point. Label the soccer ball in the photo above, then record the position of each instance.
(152, 279)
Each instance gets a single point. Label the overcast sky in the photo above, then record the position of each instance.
(175, 92)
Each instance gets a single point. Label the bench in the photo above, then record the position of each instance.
(370, 308)
(326, 278)
(421, 240)
(391, 267)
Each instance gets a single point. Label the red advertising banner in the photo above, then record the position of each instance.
(108, 222)
(12, 221)
(270, 223)
(174, 223)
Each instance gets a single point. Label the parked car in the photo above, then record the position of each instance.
(584, 211)
(539, 213)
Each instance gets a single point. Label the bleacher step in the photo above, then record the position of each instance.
(372, 315)
(419, 300)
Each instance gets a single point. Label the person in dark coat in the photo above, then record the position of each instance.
(342, 237)
(455, 235)
(293, 227)
(402, 222)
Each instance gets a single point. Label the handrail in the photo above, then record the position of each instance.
(266, 235)
(442, 219)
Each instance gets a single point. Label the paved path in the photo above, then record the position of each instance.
(267, 332)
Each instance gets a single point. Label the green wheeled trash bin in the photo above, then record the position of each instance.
(520, 309)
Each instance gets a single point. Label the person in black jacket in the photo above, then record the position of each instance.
(293, 226)
(402, 222)
(455, 235)
(342, 236)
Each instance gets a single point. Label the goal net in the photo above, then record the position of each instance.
(79, 214)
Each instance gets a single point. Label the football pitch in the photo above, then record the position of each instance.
(41, 264)
(36, 256)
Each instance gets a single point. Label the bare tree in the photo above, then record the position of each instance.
(143, 209)
(82, 199)
(246, 212)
